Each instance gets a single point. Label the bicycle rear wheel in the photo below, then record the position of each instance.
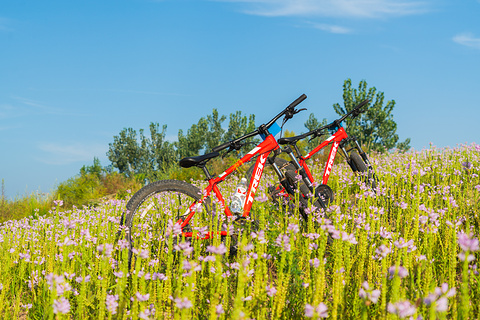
(153, 211)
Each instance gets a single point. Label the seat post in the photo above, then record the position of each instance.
(205, 170)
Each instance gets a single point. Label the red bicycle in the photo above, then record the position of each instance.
(169, 207)
(355, 156)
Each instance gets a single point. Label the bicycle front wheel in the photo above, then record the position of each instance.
(153, 211)
(367, 175)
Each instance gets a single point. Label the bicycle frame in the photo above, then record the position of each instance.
(339, 136)
(338, 139)
(263, 150)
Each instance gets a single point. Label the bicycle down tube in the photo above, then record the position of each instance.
(336, 138)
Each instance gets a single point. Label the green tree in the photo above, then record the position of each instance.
(125, 153)
(194, 141)
(240, 125)
(374, 128)
(144, 155)
(215, 130)
(161, 153)
(311, 124)
(95, 169)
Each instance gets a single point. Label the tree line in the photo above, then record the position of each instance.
(152, 154)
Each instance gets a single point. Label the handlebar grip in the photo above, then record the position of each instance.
(364, 102)
(222, 146)
(356, 111)
(297, 101)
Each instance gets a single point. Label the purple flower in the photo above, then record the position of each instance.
(202, 231)
(442, 304)
(401, 243)
(186, 265)
(61, 305)
(248, 247)
(271, 291)
(309, 311)
(118, 274)
(462, 256)
(292, 227)
(57, 282)
(440, 297)
(123, 244)
(159, 276)
(106, 248)
(219, 309)
(112, 303)
(349, 237)
(142, 297)
(283, 240)
(467, 243)
(221, 249)
(320, 310)
(382, 252)
(262, 198)
(183, 303)
(335, 234)
(367, 294)
(58, 203)
(173, 228)
(400, 271)
(403, 205)
(145, 314)
(384, 233)
(402, 309)
(315, 262)
(185, 247)
(467, 165)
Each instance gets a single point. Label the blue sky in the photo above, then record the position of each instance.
(74, 73)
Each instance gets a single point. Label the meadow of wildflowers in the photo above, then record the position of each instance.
(410, 250)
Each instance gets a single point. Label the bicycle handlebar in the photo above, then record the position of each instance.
(289, 112)
(355, 111)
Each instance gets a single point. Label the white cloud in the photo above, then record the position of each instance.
(467, 39)
(331, 28)
(334, 8)
(61, 154)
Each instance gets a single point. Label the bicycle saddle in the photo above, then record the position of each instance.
(197, 160)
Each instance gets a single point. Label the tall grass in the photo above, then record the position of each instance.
(408, 250)
(34, 204)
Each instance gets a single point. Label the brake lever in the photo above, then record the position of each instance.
(290, 113)
(235, 146)
(238, 146)
(358, 112)
(316, 135)
(299, 110)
